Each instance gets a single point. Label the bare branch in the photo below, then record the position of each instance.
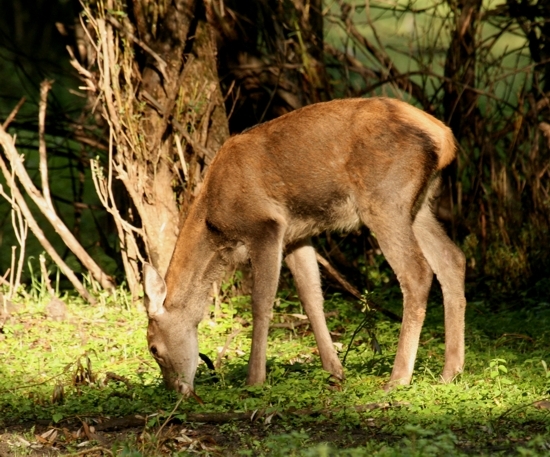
(13, 113)
(20, 228)
(195, 144)
(45, 87)
(128, 246)
(392, 73)
(47, 209)
(106, 73)
(7, 142)
(160, 61)
(333, 273)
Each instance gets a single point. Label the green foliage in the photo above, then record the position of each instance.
(94, 365)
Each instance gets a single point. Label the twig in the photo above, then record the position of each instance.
(7, 142)
(299, 322)
(45, 275)
(125, 230)
(47, 209)
(160, 61)
(197, 147)
(179, 150)
(90, 141)
(334, 274)
(169, 417)
(228, 340)
(93, 449)
(356, 66)
(106, 73)
(45, 87)
(13, 113)
(171, 102)
(219, 418)
(20, 229)
(127, 238)
(381, 57)
(374, 342)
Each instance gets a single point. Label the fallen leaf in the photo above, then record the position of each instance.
(50, 435)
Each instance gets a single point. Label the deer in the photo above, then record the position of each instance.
(330, 166)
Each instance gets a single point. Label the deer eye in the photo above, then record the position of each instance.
(154, 351)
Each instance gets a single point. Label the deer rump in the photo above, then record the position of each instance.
(328, 166)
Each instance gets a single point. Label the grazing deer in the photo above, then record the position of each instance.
(328, 166)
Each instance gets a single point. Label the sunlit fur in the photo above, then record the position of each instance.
(329, 166)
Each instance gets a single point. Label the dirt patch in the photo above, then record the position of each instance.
(220, 439)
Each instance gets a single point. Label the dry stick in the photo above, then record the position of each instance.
(14, 277)
(7, 142)
(14, 112)
(218, 418)
(197, 147)
(124, 229)
(299, 322)
(45, 87)
(169, 417)
(94, 450)
(160, 61)
(106, 76)
(12, 270)
(85, 75)
(228, 340)
(20, 230)
(43, 201)
(14, 284)
(179, 149)
(171, 102)
(16, 162)
(90, 141)
(3, 278)
(334, 274)
(46, 276)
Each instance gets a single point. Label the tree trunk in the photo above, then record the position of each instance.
(160, 94)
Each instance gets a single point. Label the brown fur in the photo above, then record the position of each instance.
(329, 166)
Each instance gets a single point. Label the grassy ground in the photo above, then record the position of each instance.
(64, 382)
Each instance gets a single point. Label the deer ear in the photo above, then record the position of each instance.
(154, 289)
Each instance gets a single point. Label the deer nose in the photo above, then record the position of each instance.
(186, 390)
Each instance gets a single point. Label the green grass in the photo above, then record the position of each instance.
(97, 358)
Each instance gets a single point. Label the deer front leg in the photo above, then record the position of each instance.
(304, 268)
(265, 259)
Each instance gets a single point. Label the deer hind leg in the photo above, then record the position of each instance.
(448, 263)
(304, 268)
(395, 235)
(265, 258)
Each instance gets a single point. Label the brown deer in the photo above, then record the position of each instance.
(328, 166)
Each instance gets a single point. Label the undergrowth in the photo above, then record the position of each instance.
(71, 375)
